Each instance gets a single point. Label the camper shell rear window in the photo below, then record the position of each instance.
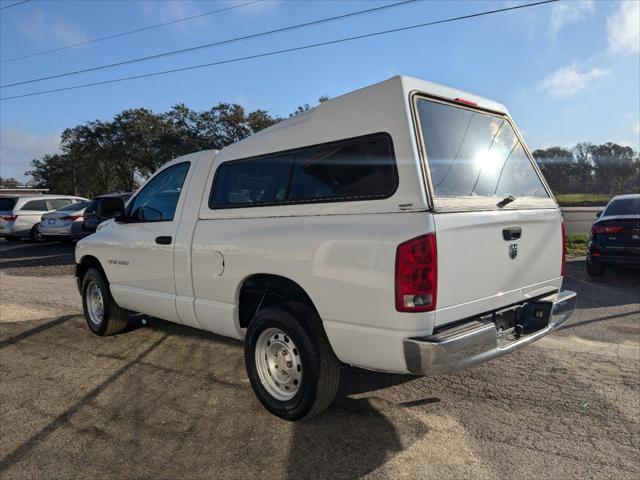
(361, 168)
(475, 157)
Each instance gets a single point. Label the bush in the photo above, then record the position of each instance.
(582, 200)
(576, 244)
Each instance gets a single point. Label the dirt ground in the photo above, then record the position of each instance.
(167, 401)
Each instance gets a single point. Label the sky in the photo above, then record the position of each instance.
(568, 72)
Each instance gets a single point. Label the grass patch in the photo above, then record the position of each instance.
(582, 200)
(576, 244)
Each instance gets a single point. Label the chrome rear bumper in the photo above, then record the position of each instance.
(478, 341)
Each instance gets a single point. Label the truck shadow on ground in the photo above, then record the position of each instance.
(353, 437)
(208, 421)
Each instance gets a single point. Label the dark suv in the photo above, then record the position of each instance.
(91, 217)
(615, 236)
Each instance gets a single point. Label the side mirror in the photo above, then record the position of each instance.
(111, 208)
(599, 213)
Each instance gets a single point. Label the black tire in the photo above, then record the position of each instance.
(114, 318)
(320, 367)
(34, 234)
(595, 268)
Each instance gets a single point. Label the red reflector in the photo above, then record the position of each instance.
(595, 254)
(607, 229)
(466, 102)
(564, 252)
(417, 274)
(9, 218)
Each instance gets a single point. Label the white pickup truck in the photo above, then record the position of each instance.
(403, 227)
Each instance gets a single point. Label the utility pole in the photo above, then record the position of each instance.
(73, 171)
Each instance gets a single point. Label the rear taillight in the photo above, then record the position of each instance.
(71, 217)
(608, 229)
(417, 274)
(564, 252)
(9, 218)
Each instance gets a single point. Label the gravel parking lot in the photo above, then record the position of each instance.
(168, 401)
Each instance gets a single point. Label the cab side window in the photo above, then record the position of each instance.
(158, 200)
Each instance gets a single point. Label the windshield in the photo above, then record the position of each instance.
(623, 206)
(74, 206)
(474, 154)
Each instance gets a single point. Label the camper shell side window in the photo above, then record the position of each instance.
(361, 168)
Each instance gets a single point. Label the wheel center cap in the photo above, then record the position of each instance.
(283, 363)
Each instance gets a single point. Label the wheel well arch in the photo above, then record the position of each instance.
(260, 290)
(87, 262)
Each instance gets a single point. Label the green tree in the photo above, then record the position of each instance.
(556, 164)
(586, 168)
(99, 157)
(615, 168)
(8, 182)
(53, 172)
(306, 107)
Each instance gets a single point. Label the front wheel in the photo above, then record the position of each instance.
(290, 363)
(104, 316)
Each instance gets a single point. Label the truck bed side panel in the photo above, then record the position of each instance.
(345, 263)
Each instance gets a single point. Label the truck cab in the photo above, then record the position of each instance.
(403, 227)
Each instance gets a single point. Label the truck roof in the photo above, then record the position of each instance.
(366, 110)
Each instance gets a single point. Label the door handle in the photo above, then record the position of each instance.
(164, 240)
(511, 233)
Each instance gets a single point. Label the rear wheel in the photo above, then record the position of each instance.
(594, 268)
(290, 363)
(35, 234)
(104, 316)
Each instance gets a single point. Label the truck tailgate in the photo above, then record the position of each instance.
(479, 270)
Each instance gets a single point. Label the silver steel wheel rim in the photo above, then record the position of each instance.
(279, 364)
(95, 303)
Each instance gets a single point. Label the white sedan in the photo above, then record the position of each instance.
(64, 223)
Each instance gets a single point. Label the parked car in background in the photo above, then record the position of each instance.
(615, 236)
(65, 223)
(20, 214)
(91, 218)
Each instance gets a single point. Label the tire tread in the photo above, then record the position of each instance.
(116, 318)
(329, 380)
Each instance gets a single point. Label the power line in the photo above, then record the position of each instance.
(278, 52)
(15, 4)
(212, 44)
(129, 32)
